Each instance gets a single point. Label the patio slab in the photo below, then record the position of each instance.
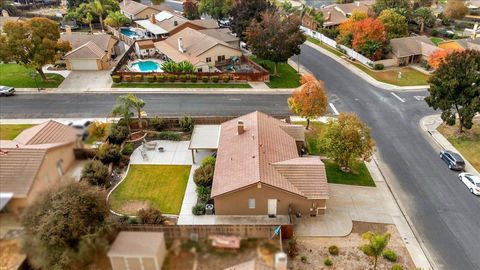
(174, 153)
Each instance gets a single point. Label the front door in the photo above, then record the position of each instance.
(272, 207)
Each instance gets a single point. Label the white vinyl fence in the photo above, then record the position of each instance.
(332, 43)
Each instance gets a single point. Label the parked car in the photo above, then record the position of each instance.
(6, 90)
(82, 127)
(453, 160)
(471, 181)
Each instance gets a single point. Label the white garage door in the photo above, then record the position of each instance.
(90, 64)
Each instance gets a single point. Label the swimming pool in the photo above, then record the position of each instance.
(146, 66)
(130, 33)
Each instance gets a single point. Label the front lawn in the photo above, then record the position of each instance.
(287, 76)
(181, 85)
(359, 176)
(436, 40)
(19, 76)
(467, 143)
(159, 186)
(9, 132)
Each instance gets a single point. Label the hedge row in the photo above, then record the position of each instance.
(169, 78)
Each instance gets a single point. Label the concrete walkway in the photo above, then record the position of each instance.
(108, 90)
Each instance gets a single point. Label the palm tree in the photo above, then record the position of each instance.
(376, 244)
(96, 7)
(88, 20)
(116, 19)
(422, 15)
(127, 103)
(124, 112)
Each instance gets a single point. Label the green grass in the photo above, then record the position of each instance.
(410, 77)
(287, 76)
(467, 143)
(20, 76)
(436, 40)
(160, 186)
(359, 176)
(9, 132)
(312, 136)
(181, 85)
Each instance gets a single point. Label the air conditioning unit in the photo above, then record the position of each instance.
(209, 209)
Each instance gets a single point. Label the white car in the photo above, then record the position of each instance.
(471, 181)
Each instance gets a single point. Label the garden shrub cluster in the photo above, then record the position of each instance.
(151, 78)
(186, 123)
(158, 123)
(328, 262)
(168, 135)
(127, 149)
(118, 134)
(203, 178)
(390, 255)
(333, 250)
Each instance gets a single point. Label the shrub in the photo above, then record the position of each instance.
(205, 79)
(292, 247)
(118, 133)
(157, 123)
(215, 79)
(169, 136)
(98, 130)
(204, 193)
(109, 153)
(434, 32)
(193, 78)
(186, 123)
(330, 32)
(203, 176)
(172, 78)
(150, 78)
(160, 78)
(303, 258)
(127, 149)
(150, 216)
(127, 78)
(328, 262)
(378, 66)
(116, 78)
(226, 79)
(333, 250)
(138, 78)
(198, 209)
(208, 161)
(397, 267)
(390, 255)
(124, 160)
(183, 78)
(95, 173)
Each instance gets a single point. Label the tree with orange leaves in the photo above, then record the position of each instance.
(348, 28)
(369, 37)
(310, 100)
(438, 57)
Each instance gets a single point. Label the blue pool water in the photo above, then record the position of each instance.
(129, 33)
(146, 66)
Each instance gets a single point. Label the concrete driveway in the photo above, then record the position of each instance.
(85, 80)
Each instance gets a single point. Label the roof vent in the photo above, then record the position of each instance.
(180, 45)
(240, 127)
(175, 23)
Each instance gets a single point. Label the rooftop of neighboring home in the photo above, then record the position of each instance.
(133, 8)
(461, 44)
(21, 158)
(87, 46)
(336, 14)
(223, 34)
(193, 43)
(416, 45)
(145, 44)
(257, 148)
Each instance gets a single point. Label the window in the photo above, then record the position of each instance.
(199, 69)
(251, 203)
(209, 59)
(221, 58)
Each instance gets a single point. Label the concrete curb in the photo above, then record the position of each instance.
(364, 75)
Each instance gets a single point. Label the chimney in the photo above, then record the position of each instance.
(153, 19)
(68, 29)
(175, 23)
(180, 45)
(240, 127)
(5, 13)
(329, 15)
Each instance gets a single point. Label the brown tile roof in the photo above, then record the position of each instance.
(223, 34)
(336, 14)
(146, 44)
(133, 8)
(249, 158)
(77, 39)
(88, 50)
(135, 244)
(50, 132)
(407, 46)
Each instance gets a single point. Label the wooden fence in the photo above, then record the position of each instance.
(203, 231)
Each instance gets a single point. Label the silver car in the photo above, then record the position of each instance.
(6, 90)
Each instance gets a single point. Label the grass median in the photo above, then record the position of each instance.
(21, 77)
(181, 85)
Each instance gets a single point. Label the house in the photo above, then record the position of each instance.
(199, 48)
(410, 50)
(89, 51)
(335, 14)
(259, 171)
(138, 251)
(144, 48)
(461, 44)
(223, 34)
(137, 11)
(34, 161)
(167, 23)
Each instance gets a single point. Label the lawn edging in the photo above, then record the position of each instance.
(181, 85)
(356, 70)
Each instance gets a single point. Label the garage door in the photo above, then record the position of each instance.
(84, 64)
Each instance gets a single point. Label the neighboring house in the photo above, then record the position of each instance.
(336, 14)
(223, 34)
(461, 44)
(137, 11)
(138, 251)
(167, 23)
(200, 49)
(411, 50)
(145, 48)
(34, 161)
(89, 51)
(258, 170)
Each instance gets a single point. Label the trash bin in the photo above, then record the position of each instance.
(209, 209)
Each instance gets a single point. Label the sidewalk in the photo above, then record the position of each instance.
(255, 90)
(362, 74)
(430, 124)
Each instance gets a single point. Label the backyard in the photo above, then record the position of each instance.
(468, 143)
(410, 77)
(19, 76)
(287, 76)
(158, 186)
(9, 132)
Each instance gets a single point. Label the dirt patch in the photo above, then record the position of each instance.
(133, 206)
(350, 256)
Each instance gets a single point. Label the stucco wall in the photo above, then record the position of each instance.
(218, 50)
(236, 203)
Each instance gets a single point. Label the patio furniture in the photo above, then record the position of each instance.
(150, 145)
(161, 149)
(224, 241)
